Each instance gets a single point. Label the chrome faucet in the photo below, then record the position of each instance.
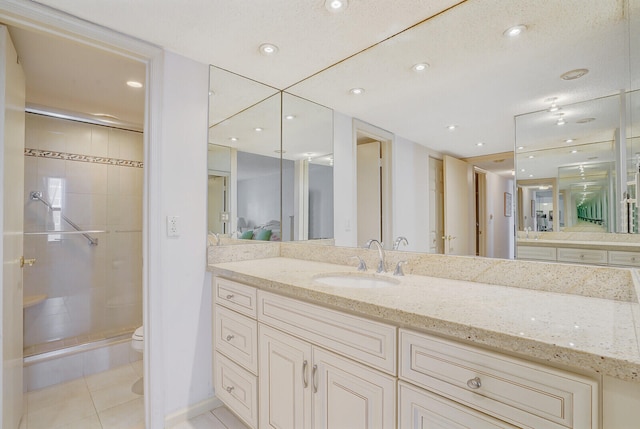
(400, 240)
(381, 265)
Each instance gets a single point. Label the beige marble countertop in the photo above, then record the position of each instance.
(591, 334)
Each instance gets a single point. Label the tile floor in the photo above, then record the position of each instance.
(105, 401)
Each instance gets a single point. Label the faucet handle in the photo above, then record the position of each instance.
(398, 271)
(362, 266)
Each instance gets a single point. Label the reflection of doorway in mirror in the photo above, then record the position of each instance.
(217, 213)
(369, 191)
(436, 206)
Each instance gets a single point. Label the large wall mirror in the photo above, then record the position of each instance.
(448, 90)
(270, 162)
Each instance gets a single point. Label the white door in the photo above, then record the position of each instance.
(217, 202)
(459, 207)
(436, 206)
(285, 380)
(350, 395)
(12, 103)
(369, 193)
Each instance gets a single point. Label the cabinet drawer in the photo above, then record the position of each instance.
(584, 256)
(237, 388)
(236, 296)
(370, 342)
(237, 337)
(629, 259)
(513, 390)
(539, 253)
(419, 409)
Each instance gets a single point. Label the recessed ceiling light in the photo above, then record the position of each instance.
(336, 5)
(574, 151)
(258, 129)
(452, 127)
(290, 117)
(568, 141)
(530, 157)
(574, 74)
(554, 107)
(268, 49)
(520, 147)
(560, 122)
(522, 170)
(479, 144)
(530, 175)
(134, 84)
(420, 67)
(356, 91)
(515, 31)
(585, 120)
(233, 139)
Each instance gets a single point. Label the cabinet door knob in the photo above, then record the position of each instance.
(305, 381)
(229, 389)
(230, 337)
(474, 383)
(313, 378)
(230, 296)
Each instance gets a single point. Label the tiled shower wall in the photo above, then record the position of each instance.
(94, 175)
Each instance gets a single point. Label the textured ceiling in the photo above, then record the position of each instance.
(478, 79)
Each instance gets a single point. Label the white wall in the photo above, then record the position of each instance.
(181, 357)
(500, 228)
(410, 193)
(344, 182)
(320, 201)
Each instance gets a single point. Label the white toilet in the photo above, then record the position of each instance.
(137, 344)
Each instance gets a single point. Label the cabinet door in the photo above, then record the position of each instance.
(419, 409)
(285, 380)
(350, 395)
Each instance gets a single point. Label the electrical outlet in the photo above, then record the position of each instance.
(173, 229)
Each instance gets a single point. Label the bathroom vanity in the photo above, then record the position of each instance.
(290, 351)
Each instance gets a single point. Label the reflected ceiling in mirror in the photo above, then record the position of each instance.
(478, 78)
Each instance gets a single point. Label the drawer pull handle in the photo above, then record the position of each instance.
(229, 337)
(230, 296)
(229, 389)
(474, 383)
(305, 381)
(313, 378)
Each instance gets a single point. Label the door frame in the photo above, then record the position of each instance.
(386, 142)
(42, 19)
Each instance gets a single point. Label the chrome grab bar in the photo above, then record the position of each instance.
(37, 195)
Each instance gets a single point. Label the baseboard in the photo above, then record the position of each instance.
(192, 411)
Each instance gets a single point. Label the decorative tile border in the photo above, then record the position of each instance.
(82, 158)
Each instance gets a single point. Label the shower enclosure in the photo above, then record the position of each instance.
(83, 227)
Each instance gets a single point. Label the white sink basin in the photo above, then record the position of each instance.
(358, 281)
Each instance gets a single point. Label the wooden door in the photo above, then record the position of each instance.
(459, 207)
(285, 383)
(436, 206)
(369, 193)
(12, 103)
(351, 395)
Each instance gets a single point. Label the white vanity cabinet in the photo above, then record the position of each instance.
(304, 386)
(518, 392)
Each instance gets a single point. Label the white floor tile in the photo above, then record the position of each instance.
(203, 421)
(121, 375)
(90, 422)
(61, 413)
(129, 415)
(111, 396)
(227, 418)
(39, 399)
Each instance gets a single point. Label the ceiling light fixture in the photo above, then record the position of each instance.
(335, 6)
(574, 74)
(554, 107)
(568, 141)
(420, 67)
(515, 31)
(356, 91)
(479, 144)
(233, 139)
(522, 170)
(290, 117)
(520, 147)
(134, 84)
(574, 151)
(258, 129)
(530, 157)
(452, 127)
(268, 49)
(560, 122)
